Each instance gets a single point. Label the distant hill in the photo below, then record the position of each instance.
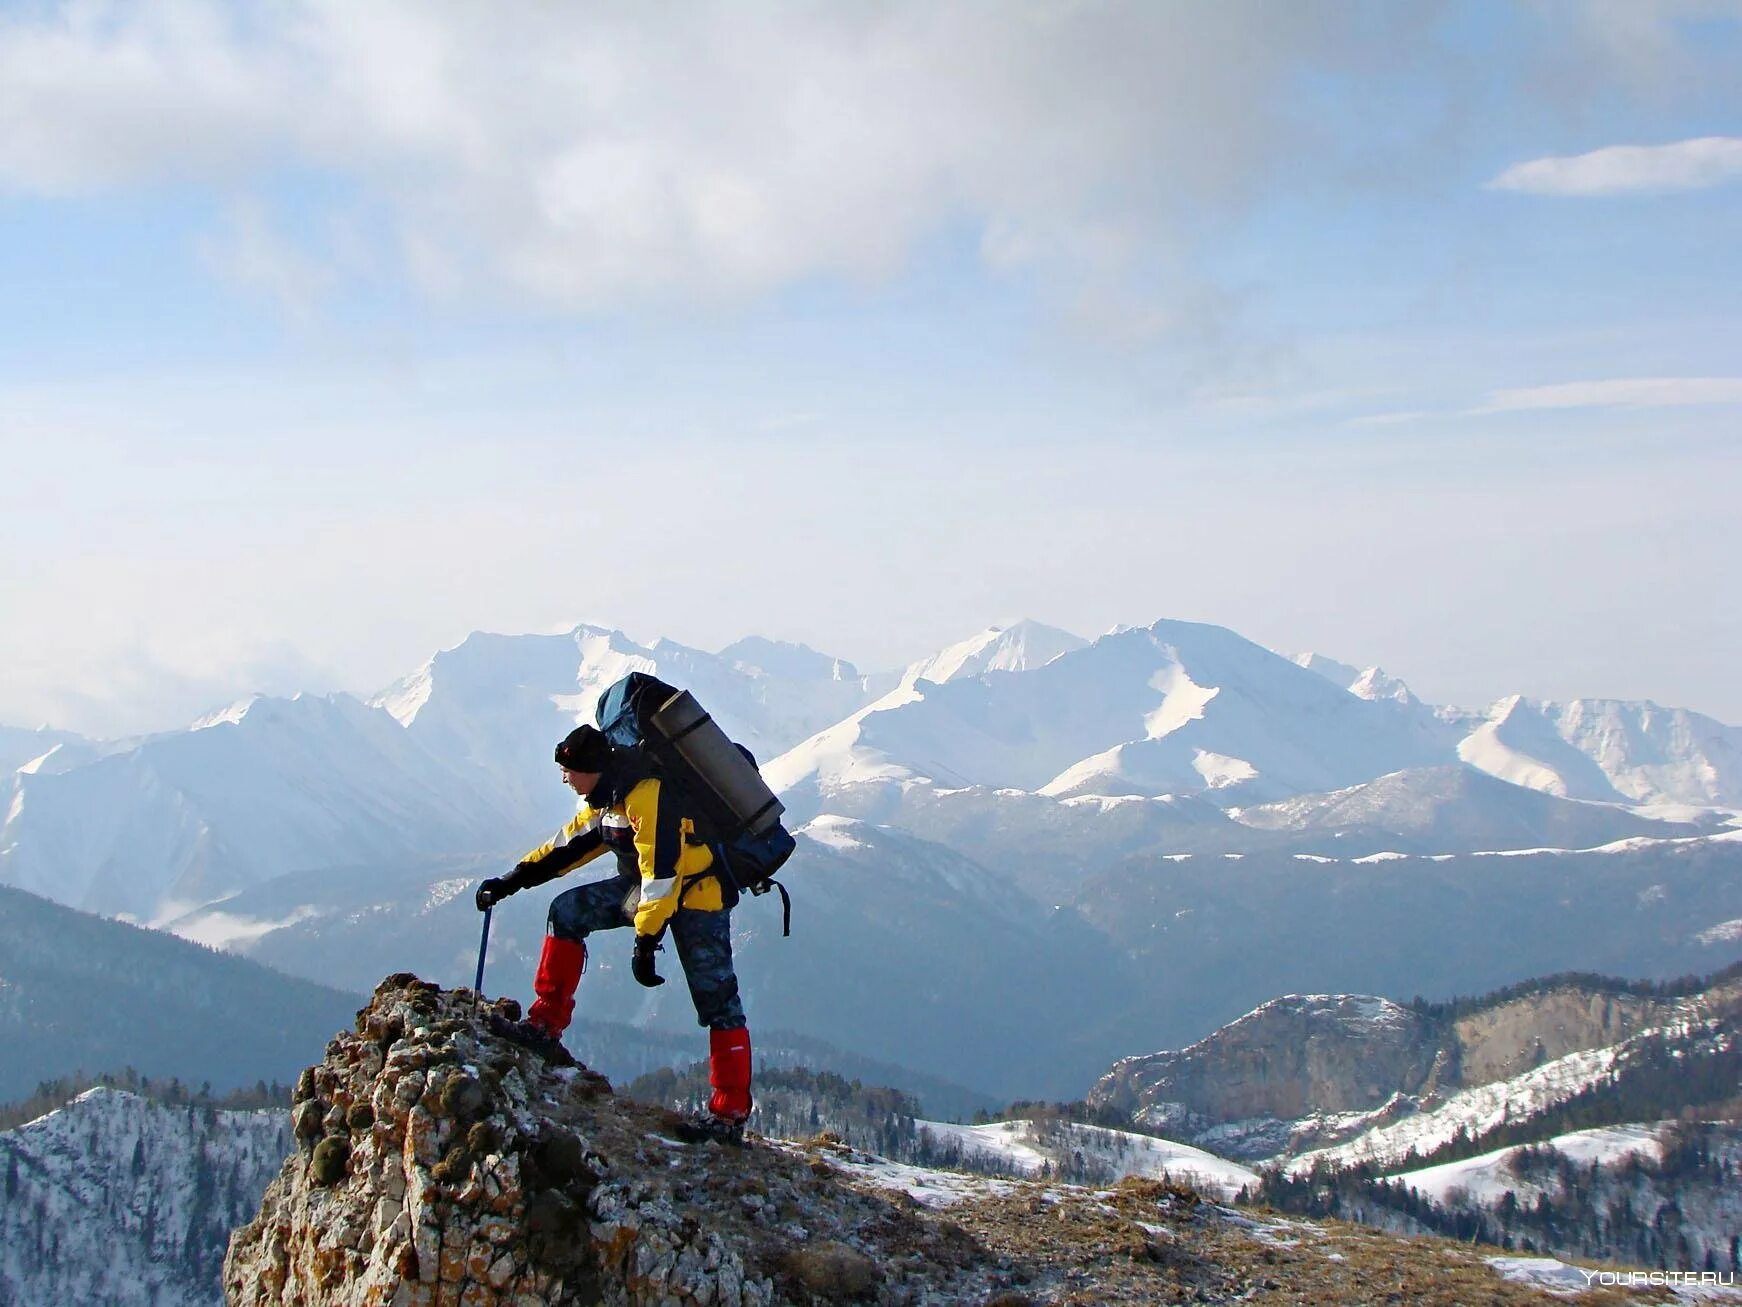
(120, 1200)
(80, 992)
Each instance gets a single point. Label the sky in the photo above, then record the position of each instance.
(329, 333)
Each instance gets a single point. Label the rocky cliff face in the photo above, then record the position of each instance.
(1511, 1038)
(1290, 1058)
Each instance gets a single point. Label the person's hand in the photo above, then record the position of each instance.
(642, 967)
(492, 892)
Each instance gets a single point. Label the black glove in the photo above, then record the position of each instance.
(524, 876)
(493, 891)
(642, 967)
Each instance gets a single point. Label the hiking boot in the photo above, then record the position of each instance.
(703, 1127)
(529, 1034)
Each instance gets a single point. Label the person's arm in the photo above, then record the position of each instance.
(575, 845)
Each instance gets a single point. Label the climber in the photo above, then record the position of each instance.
(663, 882)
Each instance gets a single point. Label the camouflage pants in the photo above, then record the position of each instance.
(703, 940)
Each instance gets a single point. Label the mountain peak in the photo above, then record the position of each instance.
(1338, 673)
(232, 715)
(1021, 646)
(783, 658)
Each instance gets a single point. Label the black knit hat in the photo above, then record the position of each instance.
(584, 749)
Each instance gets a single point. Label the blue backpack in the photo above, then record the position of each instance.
(743, 862)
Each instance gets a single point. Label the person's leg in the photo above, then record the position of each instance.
(704, 947)
(573, 915)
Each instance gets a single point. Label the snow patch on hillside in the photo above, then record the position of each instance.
(1027, 1148)
(1219, 770)
(405, 699)
(1182, 701)
(1488, 1178)
(834, 832)
(1474, 1111)
(1725, 932)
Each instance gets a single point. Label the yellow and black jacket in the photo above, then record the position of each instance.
(634, 816)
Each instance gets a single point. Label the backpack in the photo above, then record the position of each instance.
(736, 814)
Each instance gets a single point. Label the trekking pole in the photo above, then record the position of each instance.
(483, 946)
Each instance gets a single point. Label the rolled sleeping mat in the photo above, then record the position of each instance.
(722, 766)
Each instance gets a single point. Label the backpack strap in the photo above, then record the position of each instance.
(762, 888)
(729, 887)
(729, 895)
(785, 903)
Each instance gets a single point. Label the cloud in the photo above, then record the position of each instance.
(592, 155)
(1634, 392)
(249, 251)
(1630, 169)
(128, 689)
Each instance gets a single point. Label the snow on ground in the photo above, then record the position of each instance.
(1006, 1141)
(1139, 1154)
(928, 1187)
(1486, 1179)
(1277, 1231)
(1022, 1147)
(1564, 1281)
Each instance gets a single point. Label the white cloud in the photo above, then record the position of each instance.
(1631, 392)
(590, 155)
(1630, 169)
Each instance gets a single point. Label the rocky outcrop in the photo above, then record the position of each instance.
(441, 1164)
(1292, 1057)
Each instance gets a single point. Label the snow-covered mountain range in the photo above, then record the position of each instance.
(1028, 720)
